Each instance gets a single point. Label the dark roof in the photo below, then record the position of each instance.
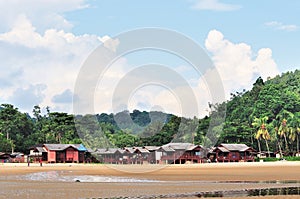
(128, 149)
(234, 147)
(166, 149)
(151, 148)
(106, 151)
(141, 150)
(4, 154)
(179, 146)
(61, 147)
(34, 146)
(39, 149)
(193, 147)
(223, 149)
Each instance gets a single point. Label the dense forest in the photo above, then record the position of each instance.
(267, 117)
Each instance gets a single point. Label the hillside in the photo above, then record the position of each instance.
(275, 104)
(267, 116)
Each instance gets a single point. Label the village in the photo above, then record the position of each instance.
(172, 153)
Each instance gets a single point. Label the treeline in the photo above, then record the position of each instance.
(266, 118)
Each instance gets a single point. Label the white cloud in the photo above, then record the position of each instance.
(214, 5)
(27, 97)
(280, 26)
(43, 14)
(51, 58)
(41, 58)
(237, 64)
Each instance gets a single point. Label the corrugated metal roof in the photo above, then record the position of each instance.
(61, 147)
(235, 147)
(39, 149)
(223, 149)
(3, 154)
(106, 151)
(130, 150)
(56, 147)
(166, 149)
(141, 149)
(179, 146)
(193, 147)
(151, 148)
(121, 150)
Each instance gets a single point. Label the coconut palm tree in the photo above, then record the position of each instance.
(262, 132)
(283, 131)
(274, 129)
(284, 128)
(295, 129)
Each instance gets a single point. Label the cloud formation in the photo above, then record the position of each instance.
(43, 14)
(51, 58)
(280, 26)
(29, 96)
(237, 64)
(65, 97)
(41, 58)
(214, 5)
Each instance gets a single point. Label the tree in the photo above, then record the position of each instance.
(16, 126)
(262, 132)
(284, 129)
(295, 129)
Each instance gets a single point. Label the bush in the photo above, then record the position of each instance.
(292, 158)
(270, 159)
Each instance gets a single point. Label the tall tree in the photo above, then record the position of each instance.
(284, 129)
(295, 129)
(262, 132)
(16, 126)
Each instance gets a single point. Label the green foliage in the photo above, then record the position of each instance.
(292, 158)
(15, 126)
(274, 103)
(278, 101)
(270, 159)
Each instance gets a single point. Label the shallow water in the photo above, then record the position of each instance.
(55, 176)
(238, 188)
(62, 177)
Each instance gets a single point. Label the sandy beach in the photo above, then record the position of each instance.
(108, 181)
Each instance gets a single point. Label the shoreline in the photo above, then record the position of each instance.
(169, 179)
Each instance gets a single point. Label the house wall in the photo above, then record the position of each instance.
(71, 155)
(51, 156)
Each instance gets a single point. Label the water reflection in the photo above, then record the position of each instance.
(252, 192)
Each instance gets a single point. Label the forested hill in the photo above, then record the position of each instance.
(267, 116)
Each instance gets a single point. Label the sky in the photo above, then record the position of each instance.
(45, 44)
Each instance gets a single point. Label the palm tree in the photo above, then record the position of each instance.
(284, 129)
(275, 128)
(262, 131)
(295, 129)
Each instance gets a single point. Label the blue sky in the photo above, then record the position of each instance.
(247, 23)
(43, 45)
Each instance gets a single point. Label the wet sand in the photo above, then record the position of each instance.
(164, 180)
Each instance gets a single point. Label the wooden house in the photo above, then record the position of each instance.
(181, 153)
(142, 155)
(154, 155)
(38, 152)
(65, 153)
(17, 157)
(108, 155)
(4, 157)
(232, 153)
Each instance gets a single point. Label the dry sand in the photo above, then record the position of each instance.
(171, 179)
